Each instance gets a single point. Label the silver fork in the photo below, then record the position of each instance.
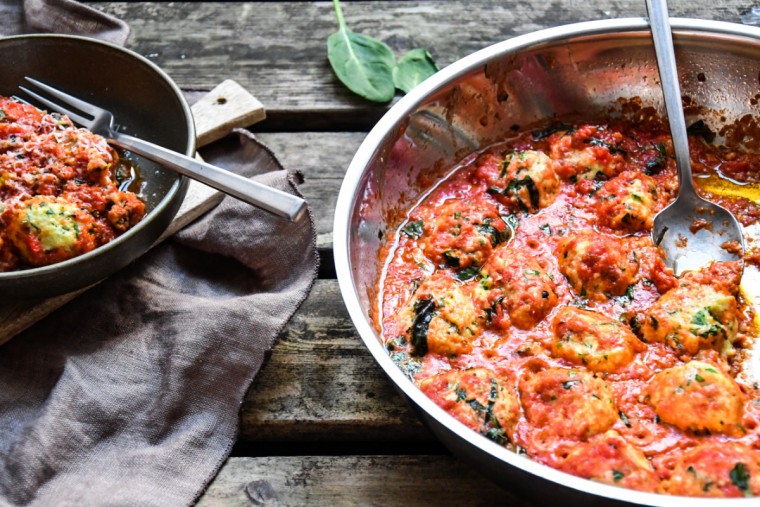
(101, 122)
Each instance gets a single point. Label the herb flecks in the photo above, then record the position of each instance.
(413, 230)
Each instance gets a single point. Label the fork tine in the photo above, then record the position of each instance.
(70, 100)
(75, 117)
(20, 99)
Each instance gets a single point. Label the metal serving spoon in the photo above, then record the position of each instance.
(691, 230)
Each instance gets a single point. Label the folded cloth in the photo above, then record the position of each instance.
(129, 395)
(68, 16)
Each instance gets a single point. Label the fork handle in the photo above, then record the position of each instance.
(270, 199)
(671, 91)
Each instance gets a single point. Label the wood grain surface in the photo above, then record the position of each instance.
(278, 49)
(321, 425)
(321, 384)
(373, 480)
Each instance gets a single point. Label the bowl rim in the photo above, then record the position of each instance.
(348, 196)
(31, 274)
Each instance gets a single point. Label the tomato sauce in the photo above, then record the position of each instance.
(62, 189)
(524, 295)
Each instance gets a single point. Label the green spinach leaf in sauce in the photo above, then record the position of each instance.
(740, 477)
(424, 310)
(413, 229)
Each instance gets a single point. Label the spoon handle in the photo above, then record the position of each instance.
(666, 63)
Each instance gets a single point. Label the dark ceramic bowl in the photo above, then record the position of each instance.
(145, 102)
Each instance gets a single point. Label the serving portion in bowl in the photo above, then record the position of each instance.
(51, 257)
(487, 257)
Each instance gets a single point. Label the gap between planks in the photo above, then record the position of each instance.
(420, 480)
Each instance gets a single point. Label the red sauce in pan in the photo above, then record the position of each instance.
(524, 295)
(59, 189)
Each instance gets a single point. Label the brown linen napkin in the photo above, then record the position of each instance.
(130, 394)
(68, 16)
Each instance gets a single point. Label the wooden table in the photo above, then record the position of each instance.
(321, 425)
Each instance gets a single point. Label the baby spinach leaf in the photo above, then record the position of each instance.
(413, 68)
(365, 65)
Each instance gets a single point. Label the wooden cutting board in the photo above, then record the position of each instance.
(226, 107)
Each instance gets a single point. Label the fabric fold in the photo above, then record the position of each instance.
(130, 394)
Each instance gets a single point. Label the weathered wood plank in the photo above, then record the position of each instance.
(323, 158)
(353, 480)
(321, 383)
(11, 17)
(277, 50)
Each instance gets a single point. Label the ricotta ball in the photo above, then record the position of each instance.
(697, 397)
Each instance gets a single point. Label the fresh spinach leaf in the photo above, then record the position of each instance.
(413, 68)
(365, 65)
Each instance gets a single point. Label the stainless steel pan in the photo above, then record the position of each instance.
(580, 70)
